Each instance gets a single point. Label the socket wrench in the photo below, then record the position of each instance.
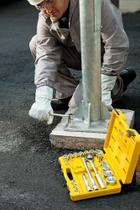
(99, 178)
(95, 187)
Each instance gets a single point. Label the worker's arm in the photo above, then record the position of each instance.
(48, 54)
(116, 46)
(115, 40)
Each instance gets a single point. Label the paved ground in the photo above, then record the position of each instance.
(30, 177)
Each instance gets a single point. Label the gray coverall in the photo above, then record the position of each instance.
(57, 49)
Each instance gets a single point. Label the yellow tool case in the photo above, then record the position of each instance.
(96, 172)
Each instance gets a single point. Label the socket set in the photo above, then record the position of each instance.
(95, 172)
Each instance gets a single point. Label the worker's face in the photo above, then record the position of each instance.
(54, 8)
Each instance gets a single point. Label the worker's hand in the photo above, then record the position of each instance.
(77, 97)
(107, 85)
(41, 108)
(42, 111)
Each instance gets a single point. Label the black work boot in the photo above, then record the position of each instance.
(60, 104)
(127, 75)
(124, 79)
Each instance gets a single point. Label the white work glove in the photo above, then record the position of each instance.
(107, 85)
(77, 97)
(41, 108)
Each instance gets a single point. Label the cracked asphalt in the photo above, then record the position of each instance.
(30, 176)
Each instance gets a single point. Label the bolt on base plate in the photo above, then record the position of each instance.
(79, 125)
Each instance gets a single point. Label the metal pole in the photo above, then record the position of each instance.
(90, 21)
(89, 115)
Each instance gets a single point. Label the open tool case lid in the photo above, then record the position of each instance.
(122, 147)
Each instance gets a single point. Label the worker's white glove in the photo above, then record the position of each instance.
(107, 85)
(77, 97)
(41, 108)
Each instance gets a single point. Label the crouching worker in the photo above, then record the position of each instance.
(57, 54)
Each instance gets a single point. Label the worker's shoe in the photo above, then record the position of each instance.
(127, 75)
(60, 104)
(125, 78)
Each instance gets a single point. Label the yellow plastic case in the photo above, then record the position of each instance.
(118, 159)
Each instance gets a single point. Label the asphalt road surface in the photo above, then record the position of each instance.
(30, 176)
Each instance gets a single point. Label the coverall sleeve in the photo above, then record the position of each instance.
(115, 40)
(48, 54)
